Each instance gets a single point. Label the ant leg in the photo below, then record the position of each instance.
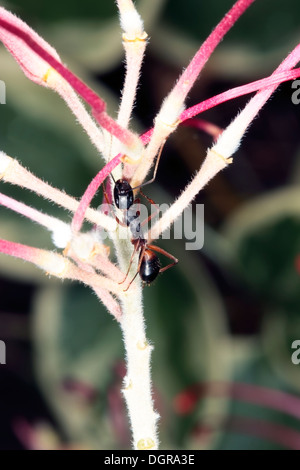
(138, 202)
(154, 204)
(110, 208)
(125, 290)
(149, 199)
(107, 199)
(138, 268)
(165, 253)
(130, 262)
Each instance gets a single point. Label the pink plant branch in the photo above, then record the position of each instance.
(91, 191)
(109, 302)
(189, 113)
(12, 171)
(168, 117)
(43, 219)
(84, 253)
(273, 432)
(96, 281)
(230, 139)
(35, 56)
(33, 437)
(110, 270)
(277, 400)
(204, 126)
(218, 157)
(65, 90)
(61, 232)
(85, 248)
(104, 296)
(57, 265)
(272, 80)
(191, 73)
(53, 263)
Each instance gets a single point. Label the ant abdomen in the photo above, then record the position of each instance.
(150, 267)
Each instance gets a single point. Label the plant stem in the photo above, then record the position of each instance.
(13, 172)
(137, 388)
(167, 119)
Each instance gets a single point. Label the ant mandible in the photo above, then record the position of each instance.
(149, 265)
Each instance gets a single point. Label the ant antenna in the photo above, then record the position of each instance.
(155, 170)
(113, 178)
(110, 147)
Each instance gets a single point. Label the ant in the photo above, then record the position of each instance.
(149, 265)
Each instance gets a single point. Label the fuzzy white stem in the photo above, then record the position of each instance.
(134, 43)
(212, 164)
(219, 155)
(137, 389)
(131, 22)
(162, 130)
(134, 57)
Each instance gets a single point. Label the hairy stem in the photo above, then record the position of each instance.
(13, 172)
(167, 119)
(137, 389)
(64, 89)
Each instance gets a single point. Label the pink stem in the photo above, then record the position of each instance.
(33, 214)
(27, 253)
(205, 126)
(91, 191)
(273, 432)
(106, 298)
(27, 434)
(261, 396)
(109, 302)
(191, 112)
(191, 73)
(97, 104)
(272, 80)
(145, 138)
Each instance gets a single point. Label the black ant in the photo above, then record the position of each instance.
(149, 265)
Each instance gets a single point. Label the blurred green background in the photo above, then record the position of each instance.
(227, 313)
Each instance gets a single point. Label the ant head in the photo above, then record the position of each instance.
(123, 194)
